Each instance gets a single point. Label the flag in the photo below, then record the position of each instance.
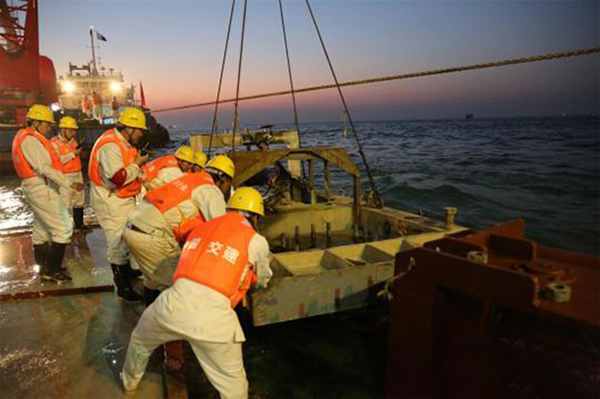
(142, 96)
(100, 37)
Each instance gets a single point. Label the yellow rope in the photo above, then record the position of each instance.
(513, 61)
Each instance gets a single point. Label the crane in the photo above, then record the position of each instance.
(26, 77)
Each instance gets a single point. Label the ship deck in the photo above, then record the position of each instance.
(69, 340)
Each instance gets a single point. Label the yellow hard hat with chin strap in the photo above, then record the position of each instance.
(247, 199)
(67, 122)
(222, 163)
(185, 153)
(39, 112)
(133, 117)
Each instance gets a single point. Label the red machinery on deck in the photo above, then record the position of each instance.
(26, 77)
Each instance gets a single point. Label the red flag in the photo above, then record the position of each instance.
(142, 96)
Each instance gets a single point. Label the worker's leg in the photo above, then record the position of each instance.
(52, 225)
(39, 235)
(148, 334)
(157, 255)
(77, 201)
(51, 221)
(224, 367)
(112, 213)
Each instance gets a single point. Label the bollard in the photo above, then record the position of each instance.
(450, 213)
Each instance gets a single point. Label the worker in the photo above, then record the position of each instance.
(200, 159)
(221, 168)
(269, 175)
(153, 229)
(68, 151)
(40, 170)
(161, 220)
(168, 167)
(115, 175)
(221, 259)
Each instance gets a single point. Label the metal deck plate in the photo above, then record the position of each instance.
(85, 259)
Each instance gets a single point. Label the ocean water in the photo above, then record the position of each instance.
(545, 170)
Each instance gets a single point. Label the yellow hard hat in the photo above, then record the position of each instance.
(67, 122)
(223, 164)
(200, 158)
(185, 153)
(39, 112)
(133, 117)
(247, 199)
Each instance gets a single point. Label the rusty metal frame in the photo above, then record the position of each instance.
(250, 163)
(430, 349)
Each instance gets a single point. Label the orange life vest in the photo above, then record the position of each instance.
(128, 154)
(216, 255)
(22, 167)
(152, 168)
(176, 191)
(62, 148)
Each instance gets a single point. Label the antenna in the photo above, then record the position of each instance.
(92, 34)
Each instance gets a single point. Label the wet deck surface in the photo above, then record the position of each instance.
(84, 258)
(69, 347)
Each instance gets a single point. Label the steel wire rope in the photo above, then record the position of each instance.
(289, 66)
(493, 64)
(213, 127)
(377, 198)
(236, 121)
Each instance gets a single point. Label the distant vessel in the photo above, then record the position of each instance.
(91, 94)
(90, 91)
(469, 116)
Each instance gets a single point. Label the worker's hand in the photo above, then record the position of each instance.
(77, 186)
(77, 152)
(141, 159)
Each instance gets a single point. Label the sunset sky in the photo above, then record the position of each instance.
(175, 49)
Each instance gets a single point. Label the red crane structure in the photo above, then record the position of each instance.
(26, 77)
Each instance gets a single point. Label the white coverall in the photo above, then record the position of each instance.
(51, 219)
(156, 250)
(202, 316)
(163, 176)
(71, 198)
(112, 211)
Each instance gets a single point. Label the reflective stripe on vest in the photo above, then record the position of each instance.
(216, 255)
(62, 148)
(22, 167)
(176, 191)
(128, 154)
(152, 168)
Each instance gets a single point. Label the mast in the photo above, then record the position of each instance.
(94, 66)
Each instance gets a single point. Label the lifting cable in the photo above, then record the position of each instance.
(213, 127)
(376, 197)
(289, 66)
(493, 64)
(236, 119)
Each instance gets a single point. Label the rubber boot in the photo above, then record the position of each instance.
(78, 218)
(55, 259)
(150, 296)
(40, 253)
(123, 283)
